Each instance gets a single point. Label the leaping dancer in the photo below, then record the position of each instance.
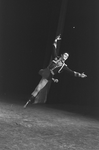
(56, 66)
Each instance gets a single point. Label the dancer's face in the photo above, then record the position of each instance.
(65, 56)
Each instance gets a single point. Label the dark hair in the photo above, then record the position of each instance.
(67, 53)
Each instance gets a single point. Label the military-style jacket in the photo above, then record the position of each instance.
(55, 66)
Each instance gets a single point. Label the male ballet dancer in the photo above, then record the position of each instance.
(56, 66)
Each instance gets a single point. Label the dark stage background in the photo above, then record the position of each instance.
(28, 28)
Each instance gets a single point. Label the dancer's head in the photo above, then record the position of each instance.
(64, 56)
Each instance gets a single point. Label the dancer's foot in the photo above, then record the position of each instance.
(30, 99)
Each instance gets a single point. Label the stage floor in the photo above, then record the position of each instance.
(41, 127)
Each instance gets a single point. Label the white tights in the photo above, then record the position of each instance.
(40, 86)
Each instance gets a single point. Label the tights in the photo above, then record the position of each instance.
(40, 86)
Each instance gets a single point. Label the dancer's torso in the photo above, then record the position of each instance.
(56, 66)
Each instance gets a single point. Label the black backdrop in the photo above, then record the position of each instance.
(27, 27)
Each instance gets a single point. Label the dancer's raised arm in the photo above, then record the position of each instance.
(55, 44)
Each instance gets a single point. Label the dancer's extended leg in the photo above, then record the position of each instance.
(42, 95)
(39, 87)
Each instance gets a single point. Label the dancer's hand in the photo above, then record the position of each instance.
(58, 38)
(83, 75)
(55, 80)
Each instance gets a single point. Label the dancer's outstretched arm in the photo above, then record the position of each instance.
(76, 74)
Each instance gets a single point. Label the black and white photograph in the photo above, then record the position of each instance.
(49, 75)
